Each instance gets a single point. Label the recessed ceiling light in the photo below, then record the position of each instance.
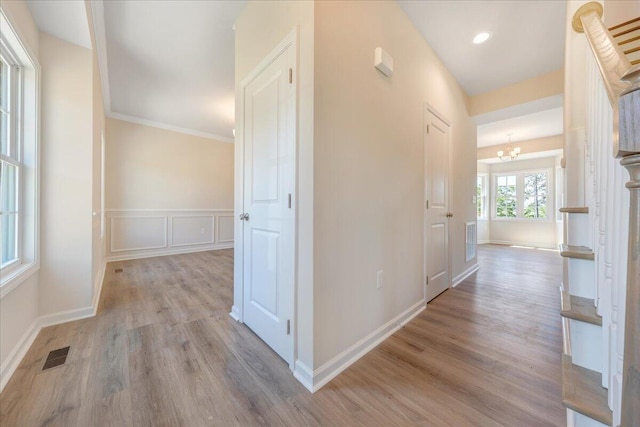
(481, 38)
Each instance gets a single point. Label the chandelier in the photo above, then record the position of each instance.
(512, 152)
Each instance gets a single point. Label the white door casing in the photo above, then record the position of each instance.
(268, 209)
(437, 263)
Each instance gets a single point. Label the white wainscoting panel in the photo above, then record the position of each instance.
(138, 233)
(225, 228)
(193, 230)
(141, 233)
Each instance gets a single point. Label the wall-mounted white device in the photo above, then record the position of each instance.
(383, 62)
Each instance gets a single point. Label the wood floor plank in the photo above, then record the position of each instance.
(163, 351)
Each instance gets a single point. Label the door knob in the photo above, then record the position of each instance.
(244, 217)
(449, 215)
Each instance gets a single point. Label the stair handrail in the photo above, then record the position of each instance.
(619, 76)
(622, 82)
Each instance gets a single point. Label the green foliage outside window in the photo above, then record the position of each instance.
(506, 197)
(535, 195)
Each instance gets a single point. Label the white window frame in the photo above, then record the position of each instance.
(25, 139)
(484, 196)
(520, 195)
(14, 145)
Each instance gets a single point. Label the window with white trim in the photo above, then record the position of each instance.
(522, 195)
(10, 158)
(481, 195)
(19, 81)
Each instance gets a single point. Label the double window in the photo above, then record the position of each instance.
(523, 195)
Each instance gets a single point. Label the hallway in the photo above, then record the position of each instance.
(163, 351)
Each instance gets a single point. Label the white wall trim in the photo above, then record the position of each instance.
(533, 245)
(100, 35)
(14, 358)
(97, 287)
(484, 242)
(468, 272)
(214, 230)
(140, 248)
(304, 375)
(342, 361)
(235, 313)
(165, 126)
(12, 361)
(169, 251)
(164, 236)
(225, 211)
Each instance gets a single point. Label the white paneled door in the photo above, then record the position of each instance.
(437, 216)
(268, 230)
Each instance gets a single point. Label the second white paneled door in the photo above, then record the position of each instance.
(269, 227)
(437, 205)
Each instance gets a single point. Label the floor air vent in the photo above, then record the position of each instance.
(56, 358)
(118, 270)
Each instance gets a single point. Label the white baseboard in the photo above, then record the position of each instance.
(460, 277)
(484, 242)
(65, 316)
(14, 358)
(533, 245)
(172, 251)
(235, 313)
(12, 362)
(304, 374)
(342, 361)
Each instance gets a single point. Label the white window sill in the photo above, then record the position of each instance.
(16, 277)
(530, 220)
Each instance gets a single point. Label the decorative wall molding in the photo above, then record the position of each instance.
(460, 277)
(143, 233)
(342, 361)
(166, 126)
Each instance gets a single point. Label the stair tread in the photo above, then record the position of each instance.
(582, 392)
(579, 252)
(575, 209)
(579, 308)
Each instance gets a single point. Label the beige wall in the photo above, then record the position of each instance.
(368, 169)
(152, 168)
(526, 147)
(259, 29)
(539, 87)
(19, 308)
(66, 179)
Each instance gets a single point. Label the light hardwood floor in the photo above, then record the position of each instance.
(163, 351)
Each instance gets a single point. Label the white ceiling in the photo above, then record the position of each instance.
(527, 38)
(172, 63)
(526, 127)
(66, 20)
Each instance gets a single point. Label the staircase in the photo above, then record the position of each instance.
(600, 294)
